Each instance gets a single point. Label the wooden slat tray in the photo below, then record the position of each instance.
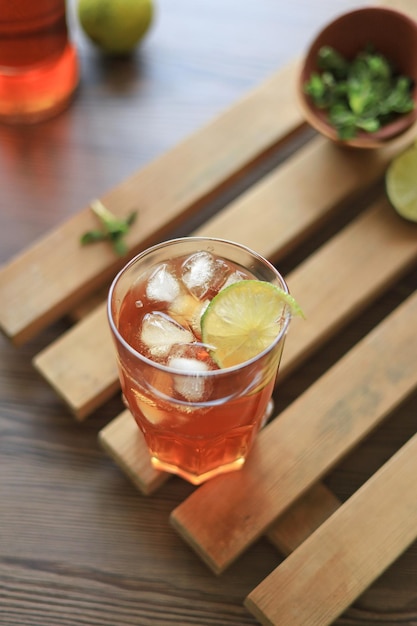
(311, 186)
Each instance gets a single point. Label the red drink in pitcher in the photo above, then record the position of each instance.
(199, 416)
(38, 64)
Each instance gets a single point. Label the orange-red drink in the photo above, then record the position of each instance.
(38, 64)
(199, 417)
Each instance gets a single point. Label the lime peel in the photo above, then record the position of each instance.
(244, 319)
(401, 183)
(115, 26)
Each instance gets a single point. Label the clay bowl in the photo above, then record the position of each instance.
(390, 32)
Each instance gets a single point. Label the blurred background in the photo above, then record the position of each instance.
(196, 59)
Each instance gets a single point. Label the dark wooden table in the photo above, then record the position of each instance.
(78, 543)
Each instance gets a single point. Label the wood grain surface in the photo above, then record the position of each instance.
(78, 543)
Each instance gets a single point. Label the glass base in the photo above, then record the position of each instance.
(39, 93)
(198, 479)
(195, 479)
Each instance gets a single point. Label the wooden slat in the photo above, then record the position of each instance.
(347, 274)
(300, 209)
(301, 194)
(49, 278)
(124, 442)
(83, 374)
(82, 360)
(224, 516)
(347, 553)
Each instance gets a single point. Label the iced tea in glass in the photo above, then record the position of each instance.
(198, 419)
(38, 63)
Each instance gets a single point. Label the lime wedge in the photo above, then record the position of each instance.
(401, 183)
(243, 319)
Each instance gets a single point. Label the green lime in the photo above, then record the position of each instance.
(401, 183)
(115, 26)
(243, 319)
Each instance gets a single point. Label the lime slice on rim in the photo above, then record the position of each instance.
(401, 183)
(243, 319)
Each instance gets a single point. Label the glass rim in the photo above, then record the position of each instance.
(171, 370)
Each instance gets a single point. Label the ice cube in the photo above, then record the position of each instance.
(187, 310)
(183, 308)
(195, 321)
(147, 408)
(194, 351)
(190, 366)
(191, 386)
(160, 332)
(234, 277)
(202, 272)
(162, 285)
(193, 359)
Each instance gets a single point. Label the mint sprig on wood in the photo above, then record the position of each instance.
(113, 228)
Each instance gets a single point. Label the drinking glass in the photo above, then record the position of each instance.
(38, 63)
(196, 422)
